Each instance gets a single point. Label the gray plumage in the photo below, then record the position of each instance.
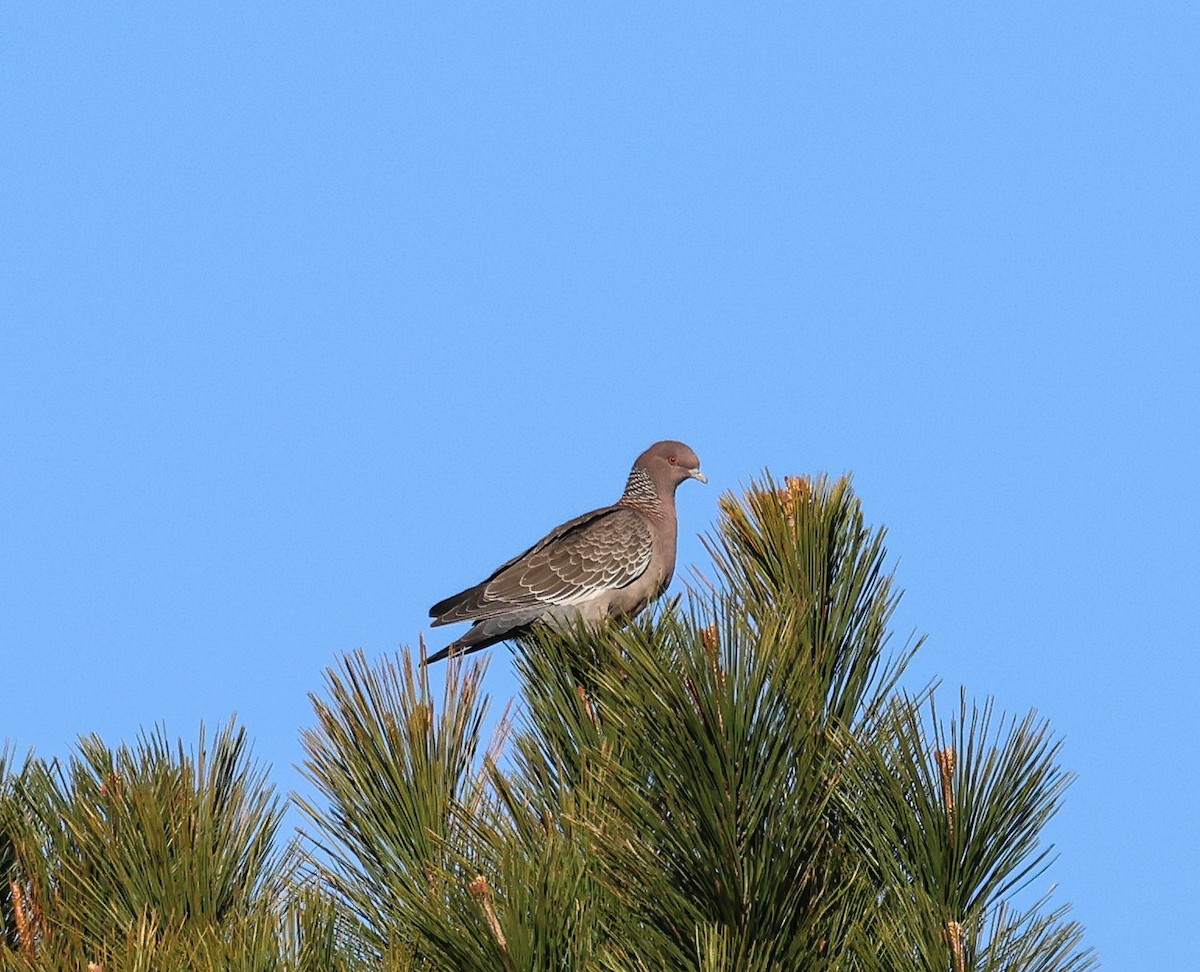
(609, 563)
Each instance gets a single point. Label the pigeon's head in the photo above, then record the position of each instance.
(669, 463)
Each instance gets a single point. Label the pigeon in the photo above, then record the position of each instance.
(609, 563)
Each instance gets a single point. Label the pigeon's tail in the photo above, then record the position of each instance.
(455, 648)
(491, 631)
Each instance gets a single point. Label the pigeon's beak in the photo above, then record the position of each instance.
(697, 474)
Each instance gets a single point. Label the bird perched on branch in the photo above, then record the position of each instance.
(609, 563)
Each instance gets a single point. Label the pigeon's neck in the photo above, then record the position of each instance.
(641, 494)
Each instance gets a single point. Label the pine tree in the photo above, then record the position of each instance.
(735, 782)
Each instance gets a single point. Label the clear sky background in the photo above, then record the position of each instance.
(310, 315)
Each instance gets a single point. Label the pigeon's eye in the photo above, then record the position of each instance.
(672, 460)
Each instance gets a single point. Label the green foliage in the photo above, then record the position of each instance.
(401, 786)
(119, 855)
(9, 817)
(950, 816)
(799, 563)
(731, 784)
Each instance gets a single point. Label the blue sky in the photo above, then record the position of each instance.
(310, 315)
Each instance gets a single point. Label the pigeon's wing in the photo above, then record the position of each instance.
(600, 551)
(454, 601)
